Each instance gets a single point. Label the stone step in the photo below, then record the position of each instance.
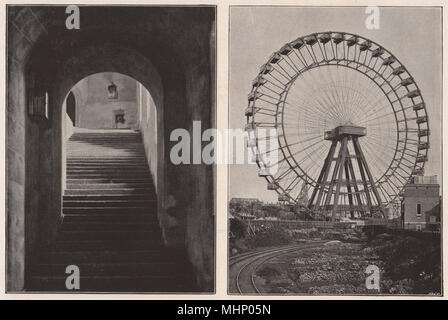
(112, 145)
(110, 228)
(116, 140)
(101, 153)
(107, 156)
(110, 235)
(150, 204)
(105, 171)
(110, 256)
(100, 159)
(79, 149)
(143, 218)
(115, 145)
(120, 164)
(92, 143)
(154, 284)
(94, 140)
(131, 135)
(108, 177)
(99, 197)
(107, 210)
(106, 148)
(121, 137)
(107, 161)
(111, 166)
(111, 180)
(108, 170)
(106, 225)
(109, 191)
(111, 186)
(100, 245)
(153, 269)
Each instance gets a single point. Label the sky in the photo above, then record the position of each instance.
(413, 35)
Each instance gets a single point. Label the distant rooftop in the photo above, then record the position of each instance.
(425, 180)
(244, 199)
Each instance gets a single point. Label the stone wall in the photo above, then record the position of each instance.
(67, 131)
(147, 119)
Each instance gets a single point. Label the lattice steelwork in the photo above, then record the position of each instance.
(324, 81)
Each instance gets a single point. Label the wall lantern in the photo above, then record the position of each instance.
(38, 106)
(112, 91)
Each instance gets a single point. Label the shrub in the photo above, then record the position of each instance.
(271, 236)
(411, 258)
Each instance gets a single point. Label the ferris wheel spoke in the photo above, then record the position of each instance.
(276, 85)
(284, 174)
(269, 95)
(296, 153)
(405, 180)
(386, 194)
(319, 107)
(301, 58)
(289, 145)
(265, 87)
(378, 117)
(281, 83)
(285, 71)
(333, 98)
(307, 140)
(380, 86)
(393, 186)
(378, 144)
(294, 101)
(409, 161)
(291, 64)
(363, 99)
(322, 51)
(374, 164)
(282, 73)
(311, 53)
(293, 183)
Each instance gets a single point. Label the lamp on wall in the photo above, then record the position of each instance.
(38, 106)
(112, 91)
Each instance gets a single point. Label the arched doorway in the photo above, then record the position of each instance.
(133, 108)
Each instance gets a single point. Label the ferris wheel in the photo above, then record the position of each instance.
(349, 120)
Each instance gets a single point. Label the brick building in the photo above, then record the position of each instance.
(421, 205)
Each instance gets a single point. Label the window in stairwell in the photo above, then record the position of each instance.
(39, 105)
(71, 107)
(419, 210)
(140, 102)
(148, 106)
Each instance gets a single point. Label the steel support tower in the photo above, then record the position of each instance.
(338, 173)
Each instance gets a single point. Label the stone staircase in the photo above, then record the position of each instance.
(110, 228)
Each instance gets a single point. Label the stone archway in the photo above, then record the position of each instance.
(178, 79)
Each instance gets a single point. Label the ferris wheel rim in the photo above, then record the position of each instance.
(327, 63)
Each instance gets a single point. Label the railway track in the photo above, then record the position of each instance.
(242, 268)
